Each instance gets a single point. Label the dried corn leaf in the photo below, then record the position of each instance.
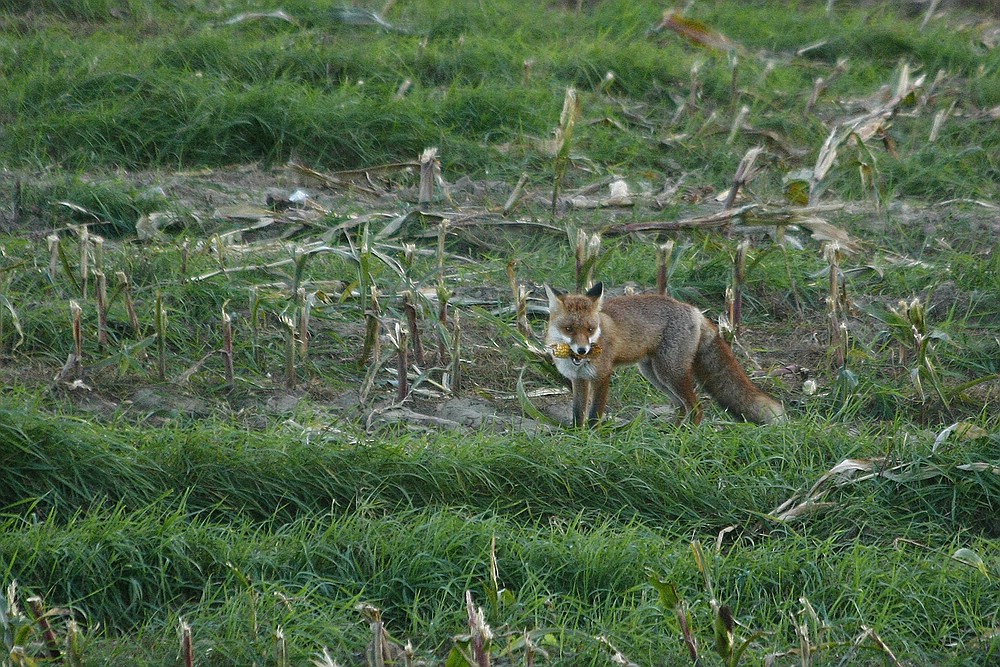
(959, 431)
(695, 32)
(279, 14)
(243, 212)
(980, 467)
(821, 230)
(619, 196)
(972, 559)
(863, 128)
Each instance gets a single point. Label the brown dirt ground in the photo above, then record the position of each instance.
(779, 357)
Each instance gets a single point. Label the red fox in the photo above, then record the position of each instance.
(672, 342)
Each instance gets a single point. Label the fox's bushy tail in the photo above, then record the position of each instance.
(721, 375)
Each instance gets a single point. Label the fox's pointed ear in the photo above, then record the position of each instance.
(596, 292)
(554, 297)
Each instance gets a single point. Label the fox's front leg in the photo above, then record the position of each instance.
(581, 400)
(600, 399)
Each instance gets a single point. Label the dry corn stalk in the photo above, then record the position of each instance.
(227, 346)
(836, 305)
(480, 634)
(126, 287)
(187, 645)
(563, 141)
(520, 295)
(84, 259)
(428, 160)
(456, 354)
(373, 347)
(76, 312)
(102, 310)
(410, 308)
(745, 173)
(587, 249)
(53, 240)
(739, 277)
(160, 322)
(399, 339)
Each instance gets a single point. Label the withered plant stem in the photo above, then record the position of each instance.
(160, 323)
(372, 346)
(74, 644)
(442, 233)
(520, 296)
(227, 347)
(836, 303)
(564, 141)
(734, 92)
(456, 354)
(428, 159)
(98, 243)
(410, 308)
(84, 259)
(402, 364)
(290, 376)
(281, 648)
(442, 294)
(305, 310)
(480, 635)
(587, 249)
(126, 287)
(443, 297)
(102, 310)
(372, 320)
(51, 641)
(77, 314)
(515, 194)
(739, 277)
(255, 316)
(187, 645)
(53, 240)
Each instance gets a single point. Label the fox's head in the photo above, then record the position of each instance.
(574, 320)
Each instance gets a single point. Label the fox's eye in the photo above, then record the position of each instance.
(590, 330)
(568, 329)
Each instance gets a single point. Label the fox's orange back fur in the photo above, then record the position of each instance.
(673, 343)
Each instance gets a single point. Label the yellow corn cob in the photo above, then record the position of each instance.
(563, 351)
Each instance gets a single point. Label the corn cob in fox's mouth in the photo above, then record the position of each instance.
(563, 351)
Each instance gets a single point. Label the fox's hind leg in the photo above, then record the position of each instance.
(679, 386)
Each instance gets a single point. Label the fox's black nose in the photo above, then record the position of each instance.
(581, 349)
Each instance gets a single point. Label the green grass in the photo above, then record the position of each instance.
(194, 90)
(254, 510)
(408, 527)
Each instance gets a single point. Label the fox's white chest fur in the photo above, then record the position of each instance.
(576, 370)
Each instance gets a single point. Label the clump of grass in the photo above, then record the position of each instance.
(917, 344)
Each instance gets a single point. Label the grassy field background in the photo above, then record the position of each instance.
(221, 234)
